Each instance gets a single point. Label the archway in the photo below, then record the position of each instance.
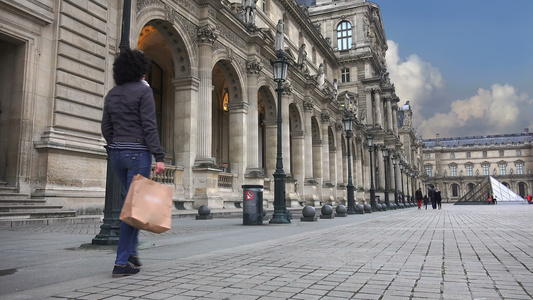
(12, 59)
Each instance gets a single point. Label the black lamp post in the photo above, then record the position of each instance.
(370, 140)
(393, 157)
(114, 192)
(279, 67)
(401, 181)
(348, 123)
(385, 153)
(408, 173)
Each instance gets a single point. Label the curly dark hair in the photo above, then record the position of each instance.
(130, 66)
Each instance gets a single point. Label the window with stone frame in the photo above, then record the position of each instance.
(455, 190)
(344, 35)
(519, 168)
(484, 153)
(503, 169)
(468, 154)
(452, 155)
(469, 170)
(486, 169)
(345, 75)
(429, 171)
(453, 171)
(518, 152)
(501, 153)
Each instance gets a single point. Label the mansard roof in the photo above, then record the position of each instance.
(484, 140)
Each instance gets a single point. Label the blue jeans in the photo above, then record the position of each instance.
(127, 164)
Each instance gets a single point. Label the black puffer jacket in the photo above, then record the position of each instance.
(129, 116)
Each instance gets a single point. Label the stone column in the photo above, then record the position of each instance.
(395, 119)
(271, 126)
(308, 114)
(285, 133)
(380, 180)
(324, 126)
(206, 38)
(253, 67)
(369, 107)
(298, 159)
(186, 131)
(238, 140)
(378, 108)
(358, 179)
(388, 105)
(339, 163)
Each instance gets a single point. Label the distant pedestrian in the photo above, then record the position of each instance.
(493, 199)
(438, 198)
(426, 200)
(528, 198)
(418, 196)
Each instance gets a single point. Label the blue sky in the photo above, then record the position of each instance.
(466, 66)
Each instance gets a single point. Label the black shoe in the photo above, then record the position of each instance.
(134, 261)
(127, 270)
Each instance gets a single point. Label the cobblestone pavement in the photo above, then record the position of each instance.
(459, 252)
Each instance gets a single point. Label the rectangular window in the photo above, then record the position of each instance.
(452, 155)
(345, 75)
(468, 154)
(428, 171)
(518, 152)
(520, 168)
(454, 171)
(455, 190)
(469, 171)
(486, 170)
(484, 153)
(428, 156)
(502, 170)
(501, 152)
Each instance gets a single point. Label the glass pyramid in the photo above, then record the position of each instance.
(490, 186)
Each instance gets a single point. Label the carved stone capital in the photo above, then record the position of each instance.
(325, 116)
(254, 67)
(287, 88)
(207, 34)
(308, 105)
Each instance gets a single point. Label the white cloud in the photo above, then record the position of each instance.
(498, 110)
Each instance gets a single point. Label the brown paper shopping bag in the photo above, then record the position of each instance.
(148, 205)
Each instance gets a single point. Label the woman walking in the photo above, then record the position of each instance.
(130, 130)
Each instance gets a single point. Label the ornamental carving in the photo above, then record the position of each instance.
(207, 34)
(339, 127)
(308, 105)
(325, 117)
(287, 88)
(254, 67)
(231, 37)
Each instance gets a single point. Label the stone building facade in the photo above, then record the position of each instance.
(215, 98)
(455, 165)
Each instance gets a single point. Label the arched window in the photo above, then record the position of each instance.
(344, 35)
(455, 190)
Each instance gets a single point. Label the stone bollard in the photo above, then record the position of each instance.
(360, 209)
(308, 213)
(368, 208)
(204, 213)
(341, 211)
(327, 212)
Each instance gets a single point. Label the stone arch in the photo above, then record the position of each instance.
(176, 34)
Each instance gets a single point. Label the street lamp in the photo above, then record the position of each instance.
(385, 153)
(408, 173)
(348, 123)
(393, 157)
(279, 67)
(370, 140)
(114, 191)
(401, 181)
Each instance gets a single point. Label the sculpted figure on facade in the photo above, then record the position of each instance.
(335, 89)
(280, 40)
(302, 59)
(250, 9)
(321, 76)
